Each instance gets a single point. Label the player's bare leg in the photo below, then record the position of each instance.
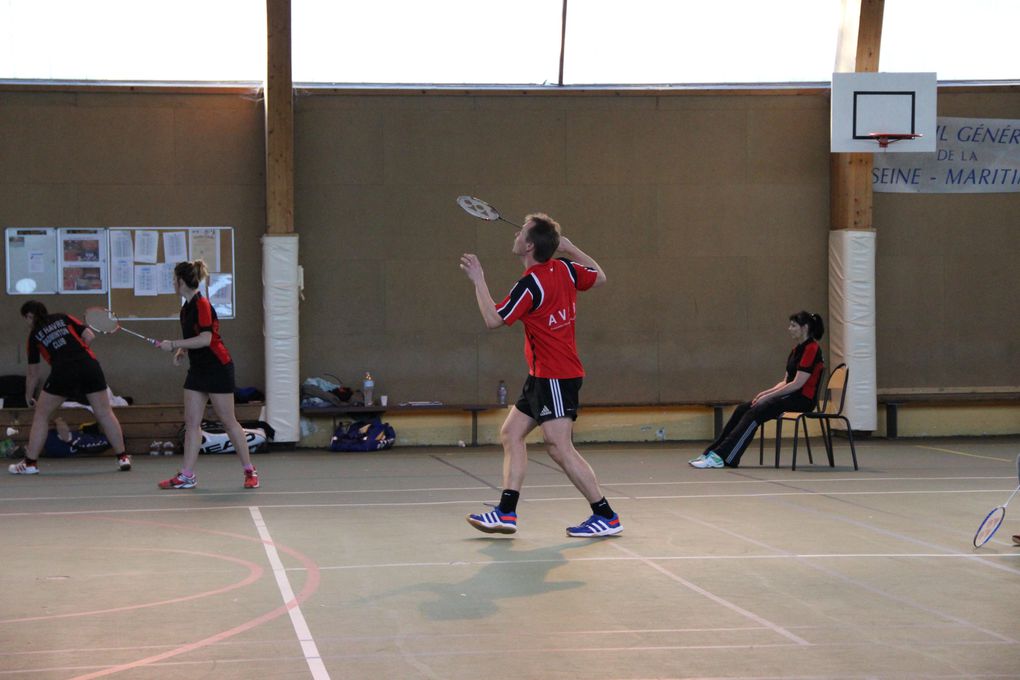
(559, 444)
(100, 403)
(45, 405)
(223, 406)
(194, 410)
(503, 519)
(512, 435)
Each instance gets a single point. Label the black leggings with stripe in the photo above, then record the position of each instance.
(740, 428)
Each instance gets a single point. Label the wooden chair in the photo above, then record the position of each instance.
(787, 416)
(830, 408)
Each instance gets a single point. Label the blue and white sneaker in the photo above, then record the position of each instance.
(712, 460)
(692, 461)
(597, 525)
(494, 522)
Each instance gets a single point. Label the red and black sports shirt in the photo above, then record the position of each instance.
(59, 340)
(198, 316)
(807, 357)
(545, 299)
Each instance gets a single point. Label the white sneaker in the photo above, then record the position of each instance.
(23, 468)
(124, 462)
(712, 460)
(692, 461)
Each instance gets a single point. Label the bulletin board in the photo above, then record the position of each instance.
(142, 260)
(133, 266)
(31, 261)
(46, 261)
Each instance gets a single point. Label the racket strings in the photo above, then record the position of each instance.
(101, 319)
(478, 208)
(988, 528)
(994, 519)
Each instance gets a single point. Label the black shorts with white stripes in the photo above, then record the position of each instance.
(545, 399)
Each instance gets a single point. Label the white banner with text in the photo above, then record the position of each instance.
(973, 156)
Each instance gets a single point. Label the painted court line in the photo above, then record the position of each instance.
(398, 504)
(297, 619)
(519, 650)
(859, 583)
(430, 489)
(254, 574)
(959, 453)
(776, 628)
(669, 558)
(312, 581)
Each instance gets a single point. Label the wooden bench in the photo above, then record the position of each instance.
(142, 423)
(336, 412)
(976, 396)
(718, 407)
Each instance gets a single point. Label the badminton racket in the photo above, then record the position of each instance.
(476, 207)
(105, 321)
(994, 518)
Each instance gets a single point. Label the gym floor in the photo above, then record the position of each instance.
(737, 573)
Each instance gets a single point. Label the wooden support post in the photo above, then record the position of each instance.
(851, 246)
(279, 101)
(851, 198)
(858, 49)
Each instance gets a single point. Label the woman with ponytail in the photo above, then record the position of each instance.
(797, 391)
(210, 376)
(63, 341)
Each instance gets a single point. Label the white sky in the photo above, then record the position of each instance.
(496, 41)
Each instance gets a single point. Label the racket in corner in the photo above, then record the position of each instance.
(994, 519)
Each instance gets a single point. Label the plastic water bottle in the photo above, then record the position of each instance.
(367, 386)
(501, 393)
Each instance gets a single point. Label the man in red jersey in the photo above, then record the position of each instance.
(544, 300)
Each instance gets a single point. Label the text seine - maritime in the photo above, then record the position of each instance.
(978, 138)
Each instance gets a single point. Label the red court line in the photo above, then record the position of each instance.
(311, 585)
(255, 572)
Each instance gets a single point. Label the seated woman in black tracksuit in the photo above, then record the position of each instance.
(796, 392)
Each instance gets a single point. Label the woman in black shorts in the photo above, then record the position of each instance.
(63, 341)
(210, 376)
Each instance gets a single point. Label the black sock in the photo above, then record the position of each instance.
(602, 509)
(508, 500)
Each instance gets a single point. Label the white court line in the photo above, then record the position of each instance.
(715, 598)
(959, 453)
(297, 619)
(706, 481)
(572, 498)
(858, 583)
(667, 558)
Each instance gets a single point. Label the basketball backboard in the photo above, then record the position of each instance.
(892, 104)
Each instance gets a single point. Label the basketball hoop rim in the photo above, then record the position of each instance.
(884, 139)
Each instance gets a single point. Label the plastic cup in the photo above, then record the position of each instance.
(384, 400)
